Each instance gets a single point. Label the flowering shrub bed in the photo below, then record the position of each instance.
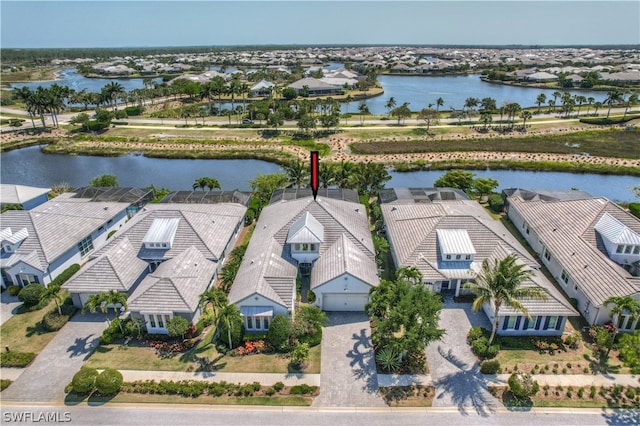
(254, 347)
(170, 348)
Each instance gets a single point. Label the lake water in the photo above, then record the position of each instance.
(417, 91)
(29, 166)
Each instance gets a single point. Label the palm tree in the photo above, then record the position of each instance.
(218, 300)
(555, 95)
(348, 100)
(228, 315)
(409, 274)
(391, 103)
(500, 284)
(52, 292)
(542, 98)
(327, 174)
(590, 100)
(26, 95)
(621, 305)
(580, 100)
(363, 109)
(525, 115)
(439, 103)
(633, 99)
(103, 300)
(613, 97)
(297, 173)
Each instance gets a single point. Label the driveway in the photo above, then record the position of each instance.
(348, 376)
(45, 379)
(454, 369)
(8, 304)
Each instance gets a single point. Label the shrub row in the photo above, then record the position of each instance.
(479, 343)
(195, 388)
(490, 367)
(16, 359)
(87, 380)
(606, 121)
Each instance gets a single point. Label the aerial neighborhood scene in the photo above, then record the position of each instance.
(326, 212)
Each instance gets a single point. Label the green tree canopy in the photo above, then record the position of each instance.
(459, 179)
(177, 326)
(264, 185)
(105, 180)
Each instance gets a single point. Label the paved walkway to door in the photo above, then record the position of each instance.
(454, 370)
(348, 377)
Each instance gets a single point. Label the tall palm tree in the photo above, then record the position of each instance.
(633, 99)
(103, 300)
(580, 100)
(525, 115)
(613, 97)
(26, 95)
(228, 315)
(590, 101)
(501, 284)
(327, 174)
(439, 103)
(541, 99)
(218, 300)
(52, 292)
(363, 109)
(409, 274)
(390, 104)
(621, 305)
(555, 95)
(298, 173)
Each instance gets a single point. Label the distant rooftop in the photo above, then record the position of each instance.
(114, 194)
(298, 193)
(546, 194)
(18, 194)
(421, 195)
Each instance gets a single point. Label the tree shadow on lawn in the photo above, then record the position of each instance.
(36, 330)
(466, 387)
(363, 362)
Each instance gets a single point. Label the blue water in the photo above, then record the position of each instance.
(29, 166)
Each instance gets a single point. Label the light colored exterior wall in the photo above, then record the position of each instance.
(338, 285)
(305, 256)
(520, 331)
(35, 202)
(259, 300)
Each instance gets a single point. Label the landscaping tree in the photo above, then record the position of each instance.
(500, 284)
(264, 185)
(522, 385)
(31, 294)
(83, 381)
(401, 112)
(429, 115)
(105, 180)
(308, 320)
(621, 306)
(629, 345)
(52, 292)
(278, 334)
(177, 326)
(103, 300)
(217, 298)
(484, 186)
(300, 355)
(459, 179)
(109, 382)
(231, 325)
(207, 182)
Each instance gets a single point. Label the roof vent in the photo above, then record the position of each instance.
(106, 207)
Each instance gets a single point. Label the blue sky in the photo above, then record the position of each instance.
(27, 23)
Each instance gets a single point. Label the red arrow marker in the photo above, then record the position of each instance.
(315, 173)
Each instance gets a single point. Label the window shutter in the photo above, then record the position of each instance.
(558, 323)
(518, 318)
(546, 323)
(526, 323)
(538, 321)
(505, 323)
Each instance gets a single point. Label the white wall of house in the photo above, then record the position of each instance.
(343, 284)
(305, 252)
(518, 325)
(21, 268)
(259, 300)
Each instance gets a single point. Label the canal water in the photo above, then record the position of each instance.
(29, 166)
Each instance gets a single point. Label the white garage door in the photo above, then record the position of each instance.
(353, 302)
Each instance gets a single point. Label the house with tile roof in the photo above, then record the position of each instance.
(448, 237)
(39, 244)
(590, 245)
(27, 197)
(327, 241)
(314, 87)
(163, 258)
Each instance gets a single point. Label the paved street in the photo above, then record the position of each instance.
(348, 376)
(8, 304)
(45, 379)
(453, 367)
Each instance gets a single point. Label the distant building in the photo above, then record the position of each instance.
(26, 197)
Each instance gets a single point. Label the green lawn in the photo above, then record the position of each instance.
(136, 357)
(23, 333)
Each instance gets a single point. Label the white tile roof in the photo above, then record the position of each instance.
(567, 229)
(19, 194)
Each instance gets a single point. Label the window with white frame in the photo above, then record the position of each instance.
(620, 249)
(627, 249)
(258, 322)
(636, 249)
(511, 323)
(553, 320)
(532, 322)
(26, 279)
(85, 246)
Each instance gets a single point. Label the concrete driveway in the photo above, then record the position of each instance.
(45, 379)
(8, 304)
(453, 367)
(348, 376)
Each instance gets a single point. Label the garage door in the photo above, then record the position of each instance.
(344, 302)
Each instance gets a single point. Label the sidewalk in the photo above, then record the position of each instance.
(265, 379)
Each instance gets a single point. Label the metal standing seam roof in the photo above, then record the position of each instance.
(267, 267)
(13, 238)
(116, 269)
(175, 286)
(455, 241)
(306, 229)
(567, 229)
(615, 231)
(412, 229)
(162, 230)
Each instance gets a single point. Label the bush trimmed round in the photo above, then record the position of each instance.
(30, 294)
(13, 290)
(84, 380)
(109, 382)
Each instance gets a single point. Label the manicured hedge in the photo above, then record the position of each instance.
(109, 382)
(84, 381)
(16, 359)
(65, 275)
(30, 294)
(490, 367)
(608, 121)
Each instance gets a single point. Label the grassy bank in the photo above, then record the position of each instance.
(611, 143)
